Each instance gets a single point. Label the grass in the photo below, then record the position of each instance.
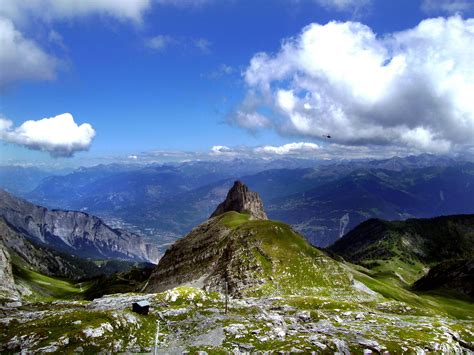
(283, 258)
(46, 287)
(234, 219)
(425, 303)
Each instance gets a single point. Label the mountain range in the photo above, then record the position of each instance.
(75, 233)
(321, 200)
(242, 282)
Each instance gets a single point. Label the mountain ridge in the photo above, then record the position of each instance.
(75, 232)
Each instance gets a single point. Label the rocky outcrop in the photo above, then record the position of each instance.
(76, 233)
(208, 257)
(8, 290)
(213, 253)
(241, 199)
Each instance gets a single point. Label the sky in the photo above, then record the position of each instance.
(108, 80)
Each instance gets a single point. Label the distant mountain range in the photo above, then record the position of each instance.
(321, 200)
(75, 233)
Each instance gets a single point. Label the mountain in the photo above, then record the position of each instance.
(240, 247)
(283, 295)
(30, 271)
(325, 213)
(451, 276)
(321, 200)
(20, 180)
(76, 233)
(405, 250)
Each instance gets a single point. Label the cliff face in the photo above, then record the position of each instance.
(77, 233)
(8, 289)
(241, 199)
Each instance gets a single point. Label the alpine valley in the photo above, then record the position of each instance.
(248, 275)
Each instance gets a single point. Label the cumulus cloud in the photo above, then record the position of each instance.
(446, 6)
(408, 89)
(21, 58)
(60, 135)
(290, 148)
(48, 10)
(24, 59)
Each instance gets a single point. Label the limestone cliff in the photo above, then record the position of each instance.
(73, 232)
(241, 199)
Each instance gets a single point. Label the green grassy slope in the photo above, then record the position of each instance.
(403, 251)
(289, 263)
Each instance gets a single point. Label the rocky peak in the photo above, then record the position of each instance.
(241, 199)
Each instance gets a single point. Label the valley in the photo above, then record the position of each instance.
(321, 200)
(240, 282)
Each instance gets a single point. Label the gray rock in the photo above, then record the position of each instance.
(241, 199)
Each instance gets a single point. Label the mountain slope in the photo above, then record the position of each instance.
(451, 276)
(74, 232)
(408, 248)
(252, 256)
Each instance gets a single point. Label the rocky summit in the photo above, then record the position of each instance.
(240, 249)
(241, 199)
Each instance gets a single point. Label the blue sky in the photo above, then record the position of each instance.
(179, 92)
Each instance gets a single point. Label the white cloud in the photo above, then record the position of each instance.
(133, 157)
(24, 59)
(446, 6)
(290, 148)
(48, 10)
(60, 135)
(162, 42)
(251, 120)
(21, 58)
(202, 44)
(343, 5)
(183, 3)
(159, 42)
(221, 71)
(220, 149)
(411, 88)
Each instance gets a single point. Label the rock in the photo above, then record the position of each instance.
(74, 232)
(234, 329)
(99, 331)
(359, 316)
(7, 281)
(304, 316)
(241, 199)
(341, 347)
(246, 347)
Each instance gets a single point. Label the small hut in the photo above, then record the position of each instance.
(141, 307)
